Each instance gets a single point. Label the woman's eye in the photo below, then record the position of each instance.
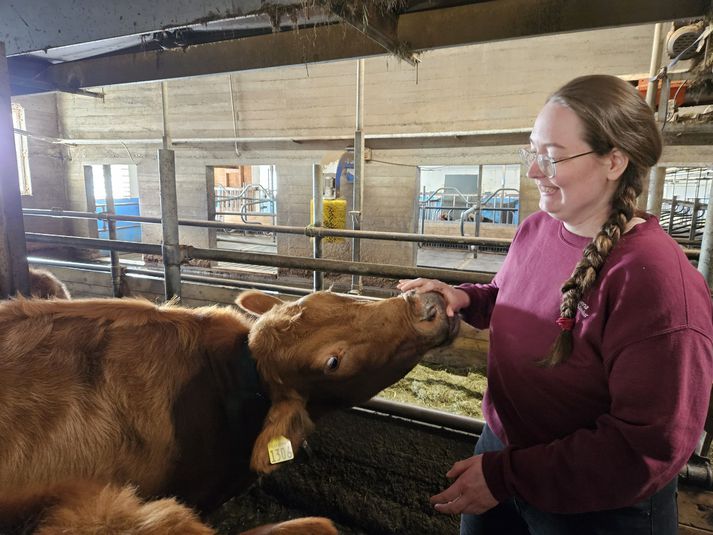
(332, 363)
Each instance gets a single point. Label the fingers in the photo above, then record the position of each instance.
(421, 285)
(455, 507)
(406, 285)
(456, 299)
(459, 467)
(469, 493)
(452, 502)
(459, 506)
(449, 495)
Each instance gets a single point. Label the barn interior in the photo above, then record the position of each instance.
(192, 150)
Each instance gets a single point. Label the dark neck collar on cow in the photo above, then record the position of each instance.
(252, 385)
(246, 406)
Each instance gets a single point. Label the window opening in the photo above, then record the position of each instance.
(477, 200)
(246, 194)
(22, 153)
(124, 186)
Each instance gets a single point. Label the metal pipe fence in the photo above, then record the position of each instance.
(259, 259)
(309, 231)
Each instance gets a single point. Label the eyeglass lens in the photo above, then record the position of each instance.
(544, 162)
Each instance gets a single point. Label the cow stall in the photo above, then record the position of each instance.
(370, 471)
(359, 461)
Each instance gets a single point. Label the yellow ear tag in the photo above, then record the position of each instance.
(280, 450)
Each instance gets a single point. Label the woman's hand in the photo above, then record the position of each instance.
(455, 298)
(469, 493)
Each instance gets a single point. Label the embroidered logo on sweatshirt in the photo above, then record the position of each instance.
(583, 307)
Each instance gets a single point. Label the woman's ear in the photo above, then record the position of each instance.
(617, 162)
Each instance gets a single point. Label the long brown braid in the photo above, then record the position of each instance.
(613, 115)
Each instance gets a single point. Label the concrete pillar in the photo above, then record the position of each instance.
(14, 276)
(169, 223)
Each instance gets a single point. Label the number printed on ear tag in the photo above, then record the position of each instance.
(280, 450)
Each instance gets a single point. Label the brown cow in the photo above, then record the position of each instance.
(97, 394)
(45, 285)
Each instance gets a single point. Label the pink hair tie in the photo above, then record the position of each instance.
(566, 324)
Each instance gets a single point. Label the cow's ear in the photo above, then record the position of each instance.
(287, 418)
(256, 303)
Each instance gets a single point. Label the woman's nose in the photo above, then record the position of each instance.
(534, 171)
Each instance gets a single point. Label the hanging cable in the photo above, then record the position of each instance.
(235, 119)
(675, 96)
(129, 153)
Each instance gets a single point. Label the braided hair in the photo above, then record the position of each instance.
(613, 115)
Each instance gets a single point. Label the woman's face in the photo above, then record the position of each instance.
(581, 191)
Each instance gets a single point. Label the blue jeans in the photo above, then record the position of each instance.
(657, 515)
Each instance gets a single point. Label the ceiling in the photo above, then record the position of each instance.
(72, 45)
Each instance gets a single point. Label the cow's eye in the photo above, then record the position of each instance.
(430, 314)
(332, 363)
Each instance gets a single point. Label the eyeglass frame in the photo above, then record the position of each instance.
(529, 157)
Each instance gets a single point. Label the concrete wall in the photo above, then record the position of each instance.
(491, 86)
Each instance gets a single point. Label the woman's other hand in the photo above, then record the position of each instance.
(455, 298)
(469, 493)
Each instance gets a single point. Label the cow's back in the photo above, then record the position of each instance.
(88, 388)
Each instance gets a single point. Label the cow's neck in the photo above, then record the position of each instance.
(249, 392)
(217, 417)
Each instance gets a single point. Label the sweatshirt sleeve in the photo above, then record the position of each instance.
(482, 301)
(483, 296)
(659, 398)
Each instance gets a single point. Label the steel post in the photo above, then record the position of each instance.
(317, 193)
(357, 212)
(111, 225)
(169, 218)
(694, 221)
(656, 187)
(654, 66)
(706, 257)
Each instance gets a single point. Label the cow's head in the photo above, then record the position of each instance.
(326, 351)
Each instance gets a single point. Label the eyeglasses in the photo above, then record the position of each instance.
(544, 162)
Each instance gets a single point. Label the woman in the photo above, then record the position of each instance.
(601, 358)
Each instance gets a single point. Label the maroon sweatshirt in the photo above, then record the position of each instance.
(619, 419)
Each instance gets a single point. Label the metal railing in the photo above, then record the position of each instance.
(684, 220)
(249, 201)
(296, 262)
(449, 204)
(441, 204)
(499, 200)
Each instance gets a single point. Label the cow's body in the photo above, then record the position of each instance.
(109, 391)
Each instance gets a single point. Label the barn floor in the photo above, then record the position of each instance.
(371, 474)
(459, 259)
